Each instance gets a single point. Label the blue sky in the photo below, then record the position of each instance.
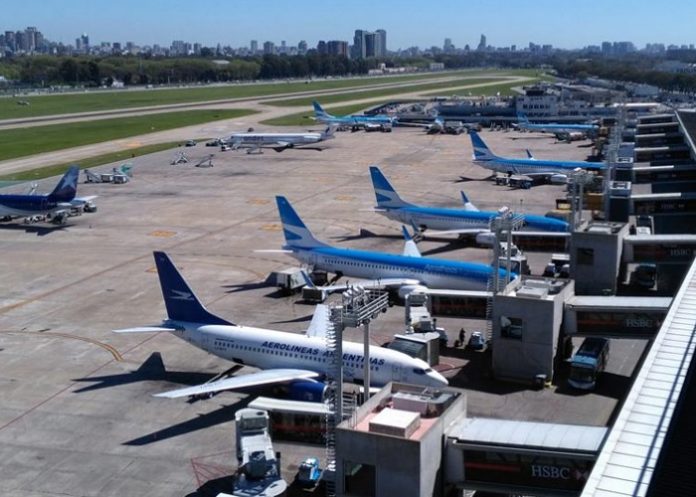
(563, 23)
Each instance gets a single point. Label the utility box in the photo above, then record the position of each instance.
(425, 346)
(527, 319)
(596, 250)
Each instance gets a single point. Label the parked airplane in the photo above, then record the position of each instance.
(468, 220)
(407, 272)
(355, 120)
(555, 128)
(254, 142)
(55, 206)
(555, 170)
(300, 360)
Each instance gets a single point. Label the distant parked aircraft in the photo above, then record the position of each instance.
(353, 120)
(557, 129)
(557, 170)
(468, 220)
(279, 142)
(54, 207)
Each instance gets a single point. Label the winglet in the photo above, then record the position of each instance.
(410, 247)
(468, 206)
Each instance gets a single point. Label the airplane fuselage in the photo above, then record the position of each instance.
(27, 205)
(535, 166)
(269, 349)
(558, 128)
(457, 219)
(259, 139)
(355, 120)
(433, 273)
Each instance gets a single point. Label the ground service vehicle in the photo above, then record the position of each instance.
(590, 360)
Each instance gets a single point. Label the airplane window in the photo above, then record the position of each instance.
(418, 371)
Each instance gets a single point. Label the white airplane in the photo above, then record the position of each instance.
(279, 142)
(298, 360)
(555, 170)
(55, 206)
(407, 272)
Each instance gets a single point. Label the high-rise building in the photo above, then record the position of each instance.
(254, 47)
(448, 47)
(381, 43)
(371, 42)
(268, 47)
(10, 40)
(322, 48)
(336, 47)
(283, 47)
(482, 43)
(359, 44)
(302, 47)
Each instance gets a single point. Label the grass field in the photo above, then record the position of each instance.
(503, 89)
(384, 92)
(305, 118)
(20, 142)
(99, 101)
(56, 169)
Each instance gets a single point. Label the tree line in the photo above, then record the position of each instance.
(44, 71)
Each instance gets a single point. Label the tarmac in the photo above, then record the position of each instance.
(79, 419)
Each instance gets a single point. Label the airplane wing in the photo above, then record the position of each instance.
(460, 231)
(264, 377)
(146, 329)
(380, 284)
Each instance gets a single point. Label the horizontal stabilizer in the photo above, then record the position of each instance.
(265, 377)
(146, 329)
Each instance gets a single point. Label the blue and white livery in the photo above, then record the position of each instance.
(353, 120)
(557, 170)
(298, 360)
(407, 272)
(555, 128)
(468, 220)
(55, 206)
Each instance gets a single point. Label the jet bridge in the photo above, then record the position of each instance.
(614, 317)
(521, 457)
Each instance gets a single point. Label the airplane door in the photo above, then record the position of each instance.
(399, 374)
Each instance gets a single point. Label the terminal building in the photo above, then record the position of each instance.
(632, 275)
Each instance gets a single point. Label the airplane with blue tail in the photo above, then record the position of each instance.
(55, 206)
(354, 120)
(557, 171)
(407, 272)
(298, 361)
(555, 128)
(468, 220)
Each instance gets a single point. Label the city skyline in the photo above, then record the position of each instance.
(409, 23)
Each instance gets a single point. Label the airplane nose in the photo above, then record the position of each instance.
(437, 379)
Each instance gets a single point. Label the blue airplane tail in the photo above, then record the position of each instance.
(319, 111)
(182, 304)
(66, 189)
(386, 195)
(522, 118)
(481, 150)
(297, 235)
